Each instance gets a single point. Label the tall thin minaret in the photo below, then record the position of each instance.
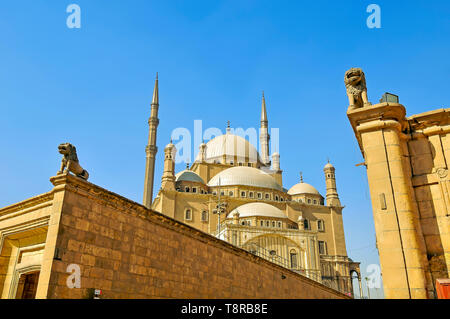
(264, 134)
(151, 148)
(330, 179)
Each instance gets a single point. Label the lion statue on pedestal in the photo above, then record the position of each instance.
(70, 162)
(355, 83)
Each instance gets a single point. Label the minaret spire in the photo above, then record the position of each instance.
(151, 148)
(264, 134)
(263, 110)
(155, 99)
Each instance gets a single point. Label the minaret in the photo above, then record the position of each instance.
(276, 162)
(330, 178)
(203, 152)
(168, 177)
(264, 134)
(151, 148)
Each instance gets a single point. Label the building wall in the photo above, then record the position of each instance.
(407, 168)
(129, 251)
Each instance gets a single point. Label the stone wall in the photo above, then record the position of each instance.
(129, 251)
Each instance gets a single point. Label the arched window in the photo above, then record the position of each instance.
(267, 196)
(194, 189)
(294, 261)
(276, 198)
(186, 189)
(230, 193)
(273, 224)
(306, 224)
(321, 225)
(309, 201)
(322, 247)
(188, 214)
(242, 194)
(204, 216)
(279, 224)
(250, 194)
(259, 195)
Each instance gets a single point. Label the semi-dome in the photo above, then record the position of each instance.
(188, 176)
(231, 146)
(257, 209)
(243, 175)
(303, 188)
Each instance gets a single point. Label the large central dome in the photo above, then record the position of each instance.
(257, 209)
(243, 175)
(233, 147)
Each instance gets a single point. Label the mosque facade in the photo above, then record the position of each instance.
(236, 193)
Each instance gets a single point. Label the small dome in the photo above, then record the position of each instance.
(329, 165)
(243, 175)
(257, 209)
(303, 188)
(169, 146)
(188, 176)
(229, 145)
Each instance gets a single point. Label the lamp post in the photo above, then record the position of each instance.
(220, 209)
(367, 285)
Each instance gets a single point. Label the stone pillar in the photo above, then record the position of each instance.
(399, 237)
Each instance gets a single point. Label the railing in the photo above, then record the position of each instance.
(271, 255)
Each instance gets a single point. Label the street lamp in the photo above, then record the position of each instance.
(367, 285)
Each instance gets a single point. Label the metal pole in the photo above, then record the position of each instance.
(218, 210)
(368, 289)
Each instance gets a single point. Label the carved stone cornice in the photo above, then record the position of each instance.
(431, 122)
(377, 116)
(32, 202)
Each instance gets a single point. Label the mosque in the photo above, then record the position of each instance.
(236, 193)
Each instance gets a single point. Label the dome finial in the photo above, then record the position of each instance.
(187, 166)
(301, 177)
(228, 127)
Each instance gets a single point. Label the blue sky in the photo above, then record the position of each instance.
(92, 86)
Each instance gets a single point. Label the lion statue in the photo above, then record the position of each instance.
(70, 162)
(355, 83)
